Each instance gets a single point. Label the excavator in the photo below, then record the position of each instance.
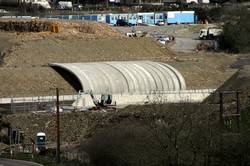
(106, 101)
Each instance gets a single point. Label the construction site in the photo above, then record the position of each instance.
(103, 77)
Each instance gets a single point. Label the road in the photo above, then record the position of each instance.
(186, 36)
(9, 162)
(185, 44)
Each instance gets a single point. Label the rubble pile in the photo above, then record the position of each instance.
(27, 26)
(205, 46)
(73, 126)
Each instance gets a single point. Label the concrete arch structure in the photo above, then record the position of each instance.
(133, 77)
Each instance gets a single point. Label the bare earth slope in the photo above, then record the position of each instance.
(50, 50)
(25, 57)
(25, 71)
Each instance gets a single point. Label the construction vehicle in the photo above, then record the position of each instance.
(210, 33)
(134, 33)
(33, 3)
(87, 101)
(105, 102)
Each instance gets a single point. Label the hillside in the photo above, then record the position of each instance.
(25, 57)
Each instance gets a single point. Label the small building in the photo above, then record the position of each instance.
(179, 17)
(131, 18)
(150, 18)
(141, 2)
(41, 141)
(204, 1)
(146, 18)
(97, 17)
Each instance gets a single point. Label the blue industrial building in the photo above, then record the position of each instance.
(95, 17)
(150, 18)
(131, 18)
(179, 17)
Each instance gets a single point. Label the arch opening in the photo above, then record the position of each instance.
(68, 76)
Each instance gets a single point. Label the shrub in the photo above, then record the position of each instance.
(236, 37)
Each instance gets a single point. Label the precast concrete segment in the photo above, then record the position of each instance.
(165, 76)
(162, 78)
(178, 76)
(155, 75)
(120, 77)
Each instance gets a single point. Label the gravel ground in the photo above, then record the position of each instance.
(186, 36)
(175, 30)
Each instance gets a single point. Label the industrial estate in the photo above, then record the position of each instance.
(118, 82)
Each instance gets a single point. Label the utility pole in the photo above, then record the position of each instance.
(57, 127)
(221, 108)
(238, 109)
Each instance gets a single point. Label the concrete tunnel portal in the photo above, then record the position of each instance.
(121, 77)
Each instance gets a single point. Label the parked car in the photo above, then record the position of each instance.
(121, 22)
(163, 40)
(160, 23)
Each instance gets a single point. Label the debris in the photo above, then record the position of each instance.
(205, 46)
(28, 26)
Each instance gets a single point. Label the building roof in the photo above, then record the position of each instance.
(41, 134)
(134, 77)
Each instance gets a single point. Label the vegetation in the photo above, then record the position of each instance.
(236, 36)
(3, 137)
(170, 135)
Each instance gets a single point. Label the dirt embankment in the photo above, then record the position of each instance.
(25, 57)
(77, 126)
(205, 70)
(27, 26)
(51, 50)
(62, 28)
(25, 69)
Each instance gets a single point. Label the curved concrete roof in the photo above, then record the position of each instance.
(137, 77)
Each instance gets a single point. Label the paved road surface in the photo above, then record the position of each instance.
(185, 40)
(9, 162)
